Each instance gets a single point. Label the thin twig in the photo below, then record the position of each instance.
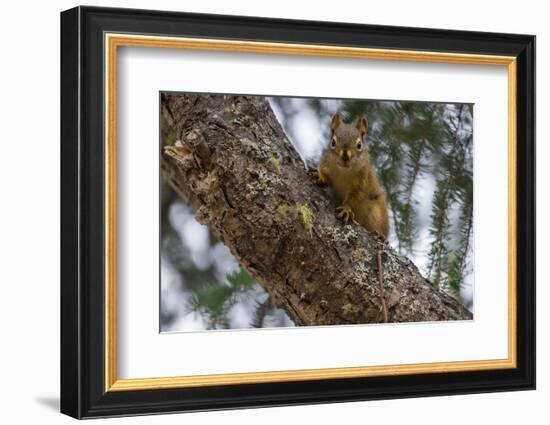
(381, 282)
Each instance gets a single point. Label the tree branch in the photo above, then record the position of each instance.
(234, 165)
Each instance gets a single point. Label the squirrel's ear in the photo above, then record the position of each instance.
(362, 125)
(336, 121)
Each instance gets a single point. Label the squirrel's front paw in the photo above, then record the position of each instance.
(345, 213)
(319, 178)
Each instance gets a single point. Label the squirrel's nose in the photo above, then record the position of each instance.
(346, 155)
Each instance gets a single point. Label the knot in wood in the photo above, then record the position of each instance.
(196, 143)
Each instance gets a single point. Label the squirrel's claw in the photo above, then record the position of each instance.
(314, 171)
(345, 213)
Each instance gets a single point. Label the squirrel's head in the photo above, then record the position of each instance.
(348, 141)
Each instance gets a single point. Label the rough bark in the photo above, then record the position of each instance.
(228, 157)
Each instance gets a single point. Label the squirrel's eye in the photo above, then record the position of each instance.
(333, 142)
(358, 145)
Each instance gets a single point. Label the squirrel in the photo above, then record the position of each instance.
(346, 167)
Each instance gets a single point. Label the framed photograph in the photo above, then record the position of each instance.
(261, 212)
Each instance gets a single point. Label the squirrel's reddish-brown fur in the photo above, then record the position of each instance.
(346, 167)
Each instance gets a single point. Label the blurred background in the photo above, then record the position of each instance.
(423, 153)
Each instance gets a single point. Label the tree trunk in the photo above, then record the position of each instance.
(228, 157)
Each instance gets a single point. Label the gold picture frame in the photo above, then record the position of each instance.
(114, 38)
(114, 41)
